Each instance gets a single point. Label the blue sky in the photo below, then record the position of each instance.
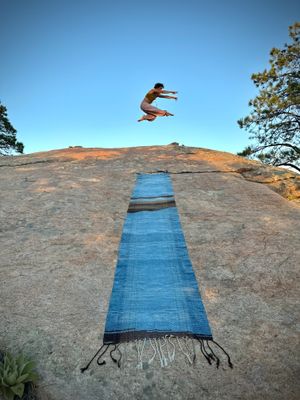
(74, 72)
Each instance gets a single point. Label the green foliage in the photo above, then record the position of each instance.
(8, 140)
(274, 122)
(14, 373)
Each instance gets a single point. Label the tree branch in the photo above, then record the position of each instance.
(277, 144)
(288, 164)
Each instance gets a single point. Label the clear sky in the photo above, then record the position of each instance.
(74, 72)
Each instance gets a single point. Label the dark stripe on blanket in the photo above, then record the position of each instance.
(119, 337)
(150, 206)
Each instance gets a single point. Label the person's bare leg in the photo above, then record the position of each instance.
(167, 114)
(143, 118)
(147, 117)
(151, 117)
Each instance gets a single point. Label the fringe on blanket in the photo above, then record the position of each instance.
(162, 349)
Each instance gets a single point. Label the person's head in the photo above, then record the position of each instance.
(158, 86)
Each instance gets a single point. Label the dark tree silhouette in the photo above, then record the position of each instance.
(274, 121)
(8, 139)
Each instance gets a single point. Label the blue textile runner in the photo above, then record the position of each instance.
(155, 296)
(155, 291)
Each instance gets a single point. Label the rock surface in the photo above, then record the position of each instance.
(61, 216)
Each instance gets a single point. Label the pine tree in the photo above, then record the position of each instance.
(8, 139)
(274, 121)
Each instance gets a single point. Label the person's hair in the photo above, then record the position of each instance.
(158, 85)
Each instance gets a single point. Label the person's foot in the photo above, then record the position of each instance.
(167, 114)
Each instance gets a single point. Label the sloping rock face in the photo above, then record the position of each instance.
(62, 214)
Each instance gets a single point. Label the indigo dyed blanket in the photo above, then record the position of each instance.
(155, 295)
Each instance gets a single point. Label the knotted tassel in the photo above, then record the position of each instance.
(213, 355)
(203, 351)
(229, 361)
(98, 359)
(114, 359)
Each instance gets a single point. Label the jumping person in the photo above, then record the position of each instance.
(151, 111)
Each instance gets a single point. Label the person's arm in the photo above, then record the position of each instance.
(168, 97)
(168, 91)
